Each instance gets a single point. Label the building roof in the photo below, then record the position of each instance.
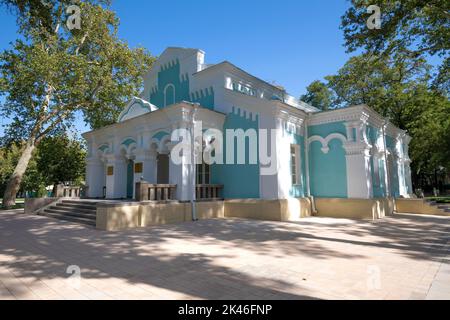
(226, 64)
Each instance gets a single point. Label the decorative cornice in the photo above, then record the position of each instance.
(357, 148)
(361, 113)
(290, 119)
(338, 115)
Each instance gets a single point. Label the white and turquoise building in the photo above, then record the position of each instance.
(345, 153)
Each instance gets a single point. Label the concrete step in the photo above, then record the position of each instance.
(78, 211)
(74, 213)
(79, 204)
(79, 208)
(84, 221)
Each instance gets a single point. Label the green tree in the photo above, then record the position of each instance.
(318, 95)
(60, 159)
(430, 128)
(55, 72)
(9, 157)
(419, 27)
(387, 84)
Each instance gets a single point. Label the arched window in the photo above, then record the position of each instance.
(169, 95)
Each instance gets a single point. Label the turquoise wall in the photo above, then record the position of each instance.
(328, 172)
(204, 97)
(241, 181)
(171, 74)
(325, 130)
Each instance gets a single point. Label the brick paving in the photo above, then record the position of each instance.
(401, 257)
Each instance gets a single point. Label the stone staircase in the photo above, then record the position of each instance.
(74, 210)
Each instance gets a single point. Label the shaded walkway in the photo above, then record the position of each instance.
(395, 258)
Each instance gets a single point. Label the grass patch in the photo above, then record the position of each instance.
(20, 204)
(445, 200)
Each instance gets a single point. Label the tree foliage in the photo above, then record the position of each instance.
(419, 27)
(392, 75)
(318, 95)
(388, 84)
(55, 72)
(60, 159)
(9, 156)
(57, 159)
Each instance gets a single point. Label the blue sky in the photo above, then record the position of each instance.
(291, 42)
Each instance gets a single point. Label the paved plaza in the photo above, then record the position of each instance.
(400, 257)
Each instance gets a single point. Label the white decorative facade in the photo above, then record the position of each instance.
(344, 153)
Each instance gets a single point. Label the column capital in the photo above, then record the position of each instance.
(357, 148)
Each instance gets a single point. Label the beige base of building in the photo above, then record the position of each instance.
(165, 213)
(120, 216)
(113, 217)
(272, 210)
(354, 208)
(418, 206)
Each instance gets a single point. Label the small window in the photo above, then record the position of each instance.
(110, 171)
(138, 167)
(245, 89)
(203, 173)
(295, 164)
(169, 95)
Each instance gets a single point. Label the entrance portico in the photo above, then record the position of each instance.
(138, 149)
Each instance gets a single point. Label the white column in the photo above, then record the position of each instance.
(95, 177)
(181, 174)
(116, 184)
(359, 171)
(359, 174)
(408, 178)
(148, 161)
(283, 148)
(148, 173)
(407, 163)
(402, 178)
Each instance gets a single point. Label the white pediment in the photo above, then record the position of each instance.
(136, 108)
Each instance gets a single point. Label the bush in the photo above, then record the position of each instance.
(41, 192)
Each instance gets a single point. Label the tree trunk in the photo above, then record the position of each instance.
(13, 186)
